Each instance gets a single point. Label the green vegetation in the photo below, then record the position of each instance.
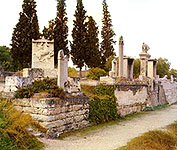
(136, 68)
(102, 104)
(107, 35)
(26, 29)
(102, 109)
(47, 85)
(5, 58)
(72, 72)
(78, 45)
(163, 67)
(93, 55)
(61, 30)
(13, 133)
(155, 140)
(96, 73)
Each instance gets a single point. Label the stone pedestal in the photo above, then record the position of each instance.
(143, 63)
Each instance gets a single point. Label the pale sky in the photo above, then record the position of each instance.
(151, 21)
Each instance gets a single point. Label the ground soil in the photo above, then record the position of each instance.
(117, 135)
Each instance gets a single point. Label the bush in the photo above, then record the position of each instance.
(46, 85)
(96, 73)
(72, 72)
(153, 140)
(103, 109)
(104, 90)
(13, 133)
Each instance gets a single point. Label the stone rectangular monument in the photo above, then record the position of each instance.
(43, 54)
(152, 63)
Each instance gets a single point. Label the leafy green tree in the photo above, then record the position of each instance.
(78, 45)
(163, 67)
(26, 29)
(92, 55)
(96, 73)
(5, 58)
(136, 68)
(61, 30)
(108, 64)
(173, 72)
(107, 35)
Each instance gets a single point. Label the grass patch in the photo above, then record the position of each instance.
(155, 140)
(13, 133)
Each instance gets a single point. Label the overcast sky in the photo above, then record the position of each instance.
(151, 21)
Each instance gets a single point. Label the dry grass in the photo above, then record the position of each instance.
(153, 140)
(13, 133)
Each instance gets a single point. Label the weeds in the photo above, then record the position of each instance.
(13, 133)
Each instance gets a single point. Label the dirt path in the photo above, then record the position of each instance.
(114, 136)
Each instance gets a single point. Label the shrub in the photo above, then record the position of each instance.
(102, 109)
(72, 72)
(46, 85)
(13, 133)
(104, 90)
(153, 140)
(96, 73)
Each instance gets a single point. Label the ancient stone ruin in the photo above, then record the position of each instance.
(122, 67)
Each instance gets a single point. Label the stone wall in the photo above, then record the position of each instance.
(135, 97)
(89, 82)
(57, 115)
(170, 89)
(131, 98)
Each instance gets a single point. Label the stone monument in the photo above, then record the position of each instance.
(121, 44)
(144, 56)
(122, 67)
(43, 54)
(147, 65)
(62, 69)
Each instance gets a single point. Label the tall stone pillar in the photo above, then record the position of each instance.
(144, 56)
(121, 44)
(62, 69)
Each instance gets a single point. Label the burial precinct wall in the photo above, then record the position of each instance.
(55, 114)
(134, 97)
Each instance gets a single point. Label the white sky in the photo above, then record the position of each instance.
(151, 21)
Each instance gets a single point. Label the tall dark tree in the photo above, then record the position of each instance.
(61, 30)
(92, 55)
(78, 45)
(26, 29)
(107, 34)
(48, 33)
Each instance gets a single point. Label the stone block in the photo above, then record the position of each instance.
(12, 82)
(107, 80)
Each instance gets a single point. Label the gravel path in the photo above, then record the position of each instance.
(114, 136)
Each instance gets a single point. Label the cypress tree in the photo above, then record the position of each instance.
(48, 33)
(26, 29)
(107, 35)
(78, 45)
(61, 30)
(92, 55)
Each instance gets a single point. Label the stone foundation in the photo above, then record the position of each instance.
(55, 114)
